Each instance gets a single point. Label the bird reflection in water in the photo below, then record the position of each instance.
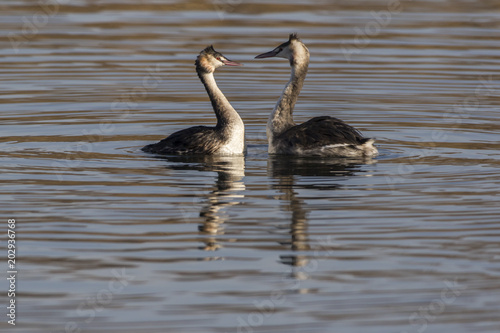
(228, 188)
(226, 192)
(285, 171)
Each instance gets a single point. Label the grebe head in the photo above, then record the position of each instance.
(209, 60)
(293, 50)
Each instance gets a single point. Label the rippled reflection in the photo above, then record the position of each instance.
(284, 170)
(227, 191)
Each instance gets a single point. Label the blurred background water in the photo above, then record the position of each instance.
(111, 239)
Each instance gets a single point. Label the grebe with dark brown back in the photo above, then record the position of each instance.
(320, 136)
(227, 137)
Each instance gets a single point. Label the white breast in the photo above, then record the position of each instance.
(236, 144)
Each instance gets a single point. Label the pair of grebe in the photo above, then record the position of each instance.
(320, 136)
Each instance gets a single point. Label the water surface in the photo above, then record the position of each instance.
(111, 239)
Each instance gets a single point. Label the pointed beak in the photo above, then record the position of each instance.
(267, 55)
(228, 62)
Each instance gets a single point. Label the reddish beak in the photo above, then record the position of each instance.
(228, 62)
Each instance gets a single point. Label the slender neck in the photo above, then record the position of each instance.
(225, 113)
(282, 117)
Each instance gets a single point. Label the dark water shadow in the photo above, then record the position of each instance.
(286, 173)
(227, 191)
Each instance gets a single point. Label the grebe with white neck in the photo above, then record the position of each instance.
(320, 136)
(227, 137)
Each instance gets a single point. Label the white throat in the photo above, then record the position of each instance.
(281, 118)
(229, 122)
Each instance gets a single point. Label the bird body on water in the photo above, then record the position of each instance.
(227, 137)
(320, 136)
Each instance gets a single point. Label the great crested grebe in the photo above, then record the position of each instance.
(227, 137)
(319, 136)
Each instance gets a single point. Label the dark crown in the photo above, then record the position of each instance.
(209, 50)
